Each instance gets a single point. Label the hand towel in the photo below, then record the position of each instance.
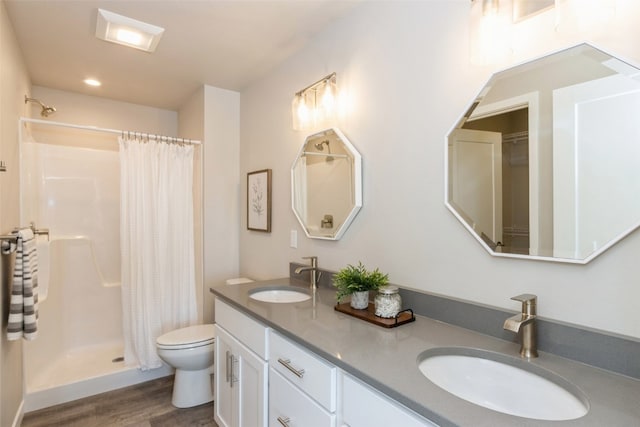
(23, 310)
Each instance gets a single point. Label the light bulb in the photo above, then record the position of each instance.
(490, 32)
(300, 112)
(327, 96)
(129, 37)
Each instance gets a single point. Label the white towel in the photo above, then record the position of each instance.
(23, 310)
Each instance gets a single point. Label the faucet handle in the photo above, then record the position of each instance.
(529, 302)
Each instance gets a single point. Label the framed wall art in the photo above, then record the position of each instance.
(259, 200)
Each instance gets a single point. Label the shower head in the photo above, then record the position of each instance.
(46, 109)
(319, 145)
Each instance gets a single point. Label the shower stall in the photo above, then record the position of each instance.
(70, 185)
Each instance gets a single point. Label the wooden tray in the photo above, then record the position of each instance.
(369, 314)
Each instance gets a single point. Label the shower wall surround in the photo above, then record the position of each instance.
(71, 191)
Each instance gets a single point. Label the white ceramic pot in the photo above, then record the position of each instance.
(360, 300)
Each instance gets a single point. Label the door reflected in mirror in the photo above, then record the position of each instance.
(544, 162)
(326, 184)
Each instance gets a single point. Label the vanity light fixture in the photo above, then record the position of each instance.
(490, 32)
(126, 31)
(315, 104)
(525, 9)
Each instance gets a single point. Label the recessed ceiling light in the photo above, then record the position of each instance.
(92, 82)
(127, 31)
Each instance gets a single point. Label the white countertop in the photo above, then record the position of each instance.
(387, 359)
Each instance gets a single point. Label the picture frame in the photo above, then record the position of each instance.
(259, 200)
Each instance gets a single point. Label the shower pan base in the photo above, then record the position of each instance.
(84, 372)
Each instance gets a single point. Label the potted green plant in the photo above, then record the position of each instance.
(356, 281)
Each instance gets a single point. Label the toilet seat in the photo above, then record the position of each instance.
(189, 337)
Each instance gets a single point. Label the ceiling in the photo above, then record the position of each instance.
(222, 43)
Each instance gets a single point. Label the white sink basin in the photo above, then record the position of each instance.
(279, 294)
(502, 383)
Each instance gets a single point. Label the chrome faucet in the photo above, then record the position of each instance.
(314, 274)
(524, 324)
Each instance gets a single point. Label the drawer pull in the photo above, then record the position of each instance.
(227, 366)
(233, 377)
(287, 364)
(284, 421)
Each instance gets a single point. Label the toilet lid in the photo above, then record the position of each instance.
(190, 336)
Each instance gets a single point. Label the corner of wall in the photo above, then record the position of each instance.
(221, 192)
(14, 83)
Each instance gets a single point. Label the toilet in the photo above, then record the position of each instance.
(190, 351)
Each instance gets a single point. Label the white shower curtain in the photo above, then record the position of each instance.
(157, 245)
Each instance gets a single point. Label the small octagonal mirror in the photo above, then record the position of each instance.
(326, 184)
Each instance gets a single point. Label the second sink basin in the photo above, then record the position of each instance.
(279, 294)
(502, 383)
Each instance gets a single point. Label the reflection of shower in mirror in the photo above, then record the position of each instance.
(326, 190)
(320, 147)
(327, 221)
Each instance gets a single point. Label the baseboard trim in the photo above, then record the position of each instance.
(17, 420)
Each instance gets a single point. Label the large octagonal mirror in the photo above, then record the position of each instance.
(546, 161)
(326, 184)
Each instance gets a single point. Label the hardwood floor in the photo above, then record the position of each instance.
(141, 405)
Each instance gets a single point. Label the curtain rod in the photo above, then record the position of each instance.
(114, 131)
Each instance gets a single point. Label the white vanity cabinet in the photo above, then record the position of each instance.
(240, 369)
(302, 386)
(360, 405)
(264, 379)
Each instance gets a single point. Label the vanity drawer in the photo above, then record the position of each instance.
(310, 373)
(289, 406)
(251, 333)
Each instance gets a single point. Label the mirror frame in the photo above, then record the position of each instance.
(615, 239)
(357, 184)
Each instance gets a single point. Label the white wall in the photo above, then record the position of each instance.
(405, 67)
(191, 125)
(14, 83)
(102, 112)
(222, 184)
(212, 115)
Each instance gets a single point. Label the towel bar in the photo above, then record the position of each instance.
(7, 239)
(36, 231)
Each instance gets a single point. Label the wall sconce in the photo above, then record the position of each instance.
(580, 16)
(490, 31)
(315, 104)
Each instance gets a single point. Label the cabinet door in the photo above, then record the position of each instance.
(291, 407)
(363, 406)
(251, 372)
(226, 408)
